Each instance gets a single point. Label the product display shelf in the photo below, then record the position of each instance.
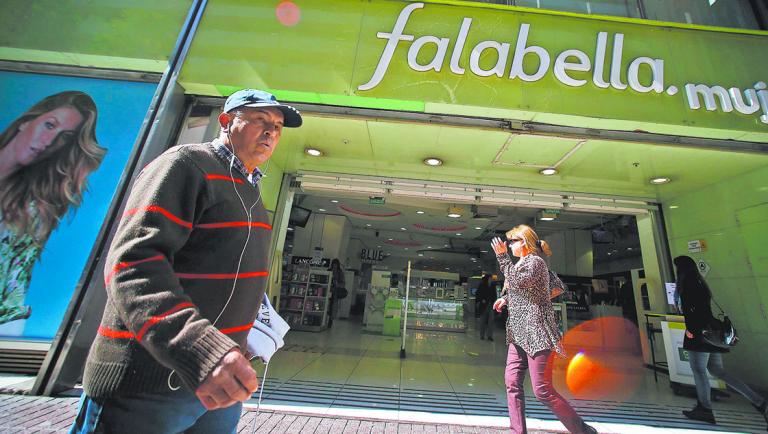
(304, 298)
(438, 315)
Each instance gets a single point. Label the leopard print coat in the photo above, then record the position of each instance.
(531, 323)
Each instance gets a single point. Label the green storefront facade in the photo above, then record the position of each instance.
(458, 80)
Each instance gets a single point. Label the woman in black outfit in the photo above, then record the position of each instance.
(695, 298)
(338, 290)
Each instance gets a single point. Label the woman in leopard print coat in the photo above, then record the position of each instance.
(532, 333)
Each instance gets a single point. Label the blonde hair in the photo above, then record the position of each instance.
(56, 180)
(532, 241)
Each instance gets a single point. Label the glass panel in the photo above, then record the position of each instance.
(620, 8)
(723, 13)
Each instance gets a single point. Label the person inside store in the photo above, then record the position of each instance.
(627, 300)
(338, 289)
(695, 298)
(532, 332)
(185, 276)
(484, 298)
(46, 155)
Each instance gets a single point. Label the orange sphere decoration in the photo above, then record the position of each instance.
(288, 13)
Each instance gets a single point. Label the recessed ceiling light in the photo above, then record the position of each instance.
(419, 212)
(368, 224)
(673, 207)
(548, 171)
(403, 229)
(334, 201)
(458, 235)
(483, 251)
(433, 161)
(321, 209)
(429, 247)
(290, 229)
(478, 228)
(378, 247)
(546, 219)
(313, 152)
(389, 239)
(454, 212)
(406, 248)
(659, 180)
(453, 215)
(421, 254)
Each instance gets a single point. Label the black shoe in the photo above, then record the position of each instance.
(700, 413)
(589, 429)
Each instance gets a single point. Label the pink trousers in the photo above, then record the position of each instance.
(518, 362)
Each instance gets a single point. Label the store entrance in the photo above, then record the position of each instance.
(355, 341)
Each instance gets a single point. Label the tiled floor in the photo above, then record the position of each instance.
(454, 378)
(346, 369)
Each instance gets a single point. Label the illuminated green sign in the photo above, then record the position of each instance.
(491, 61)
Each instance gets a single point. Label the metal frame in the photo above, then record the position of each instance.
(59, 361)
(80, 71)
(522, 127)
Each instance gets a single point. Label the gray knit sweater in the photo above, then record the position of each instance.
(170, 271)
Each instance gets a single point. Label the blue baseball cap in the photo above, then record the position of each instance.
(259, 98)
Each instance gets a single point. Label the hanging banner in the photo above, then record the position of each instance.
(64, 144)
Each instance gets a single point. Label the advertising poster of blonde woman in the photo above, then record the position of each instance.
(64, 143)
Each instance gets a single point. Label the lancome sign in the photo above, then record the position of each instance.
(571, 67)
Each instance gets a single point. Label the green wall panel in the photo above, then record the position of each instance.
(732, 217)
(124, 34)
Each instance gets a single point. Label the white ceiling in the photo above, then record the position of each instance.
(433, 240)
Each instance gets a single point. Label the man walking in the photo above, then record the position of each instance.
(185, 276)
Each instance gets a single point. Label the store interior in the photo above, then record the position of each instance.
(448, 248)
(364, 362)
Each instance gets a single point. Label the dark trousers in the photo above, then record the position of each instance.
(518, 363)
(486, 322)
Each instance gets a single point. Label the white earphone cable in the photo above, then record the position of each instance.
(248, 212)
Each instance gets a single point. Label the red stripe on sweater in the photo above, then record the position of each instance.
(156, 319)
(124, 334)
(234, 225)
(123, 265)
(115, 334)
(194, 276)
(231, 330)
(222, 178)
(161, 210)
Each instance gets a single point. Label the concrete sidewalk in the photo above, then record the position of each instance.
(34, 414)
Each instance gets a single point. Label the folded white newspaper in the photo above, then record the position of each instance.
(267, 332)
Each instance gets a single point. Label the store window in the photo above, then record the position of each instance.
(721, 13)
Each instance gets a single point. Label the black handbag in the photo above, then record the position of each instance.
(720, 332)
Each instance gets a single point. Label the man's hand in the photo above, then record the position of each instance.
(232, 380)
